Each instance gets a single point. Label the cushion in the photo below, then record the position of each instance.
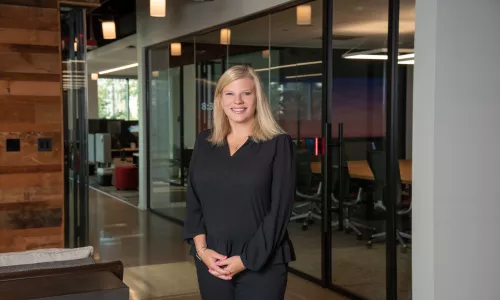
(44, 255)
(47, 265)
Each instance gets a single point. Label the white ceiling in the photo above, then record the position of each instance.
(357, 24)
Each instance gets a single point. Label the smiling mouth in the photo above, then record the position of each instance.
(238, 110)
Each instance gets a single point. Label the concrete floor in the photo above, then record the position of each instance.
(157, 265)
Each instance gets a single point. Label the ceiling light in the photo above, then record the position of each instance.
(290, 65)
(265, 54)
(94, 76)
(367, 56)
(225, 36)
(109, 30)
(407, 62)
(118, 69)
(155, 73)
(304, 15)
(157, 8)
(304, 75)
(176, 49)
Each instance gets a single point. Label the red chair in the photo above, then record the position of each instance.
(126, 177)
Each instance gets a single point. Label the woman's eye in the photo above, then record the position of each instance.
(246, 93)
(229, 94)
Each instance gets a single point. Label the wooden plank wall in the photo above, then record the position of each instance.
(31, 182)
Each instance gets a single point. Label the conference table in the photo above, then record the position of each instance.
(360, 169)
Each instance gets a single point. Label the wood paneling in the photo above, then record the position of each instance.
(30, 239)
(29, 88)
(27, 49)
(33, 3)
(31, 181)
(19, 62)
(29, 156)
(34, 18)
(29, 37)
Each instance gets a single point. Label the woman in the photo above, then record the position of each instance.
(240, 191)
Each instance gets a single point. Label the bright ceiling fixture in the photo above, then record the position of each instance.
(265, 54)
(304, 15)
(94, 76)
(158, 8)
(304, 75)
(109, 30)
(225, 36)
(380, 54)
(118, 69)
(176, 49)
(290, 66)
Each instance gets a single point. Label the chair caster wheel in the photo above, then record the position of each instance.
(348, 230)
(369, 245)
(359, 237)
(304, 227)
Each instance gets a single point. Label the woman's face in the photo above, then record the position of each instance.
(239, 100)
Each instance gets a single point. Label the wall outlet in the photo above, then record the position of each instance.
(44, 145)
(13, 145)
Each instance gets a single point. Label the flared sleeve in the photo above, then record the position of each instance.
(193, 222)
(273, 228)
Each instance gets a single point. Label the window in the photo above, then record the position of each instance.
(118, 99)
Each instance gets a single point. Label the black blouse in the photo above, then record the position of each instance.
(243, 202)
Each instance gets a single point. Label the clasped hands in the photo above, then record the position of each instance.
(221, 266)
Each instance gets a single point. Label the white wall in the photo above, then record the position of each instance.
(183, 17)
(93, 101)
(455, 150)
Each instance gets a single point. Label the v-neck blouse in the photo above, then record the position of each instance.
(242, 202)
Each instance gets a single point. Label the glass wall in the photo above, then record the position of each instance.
(404, 215)
(117, 98)
(286, 48)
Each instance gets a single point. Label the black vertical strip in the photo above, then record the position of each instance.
(392, 145)
(341, 169)
(181, 120)
(403, 100)
(84, 176)
(147, 107)
(326, 170)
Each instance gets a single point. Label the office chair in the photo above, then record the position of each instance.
(350, 202)
(306, 191)
(376, 160)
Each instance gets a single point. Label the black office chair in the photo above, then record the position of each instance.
(306, 190)
(350, 202)
(376, 160)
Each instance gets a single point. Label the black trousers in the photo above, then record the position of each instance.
(267, 284)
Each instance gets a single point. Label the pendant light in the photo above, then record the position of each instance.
(94, 76)
(304, 15)
(225, 36)
(109, 30)
(157, 8)
(176, 49)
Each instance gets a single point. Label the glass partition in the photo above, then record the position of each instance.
(286, 48)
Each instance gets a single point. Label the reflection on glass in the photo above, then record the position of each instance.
(358, 105)
(403, 221)
(295, 93)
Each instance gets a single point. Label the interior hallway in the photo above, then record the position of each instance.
(157, 265)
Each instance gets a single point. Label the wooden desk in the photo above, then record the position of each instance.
(361, 170)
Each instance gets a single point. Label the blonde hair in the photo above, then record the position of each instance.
(265, 126)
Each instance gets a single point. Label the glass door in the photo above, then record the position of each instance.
(74, 81)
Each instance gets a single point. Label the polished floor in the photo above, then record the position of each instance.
(155, 257)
